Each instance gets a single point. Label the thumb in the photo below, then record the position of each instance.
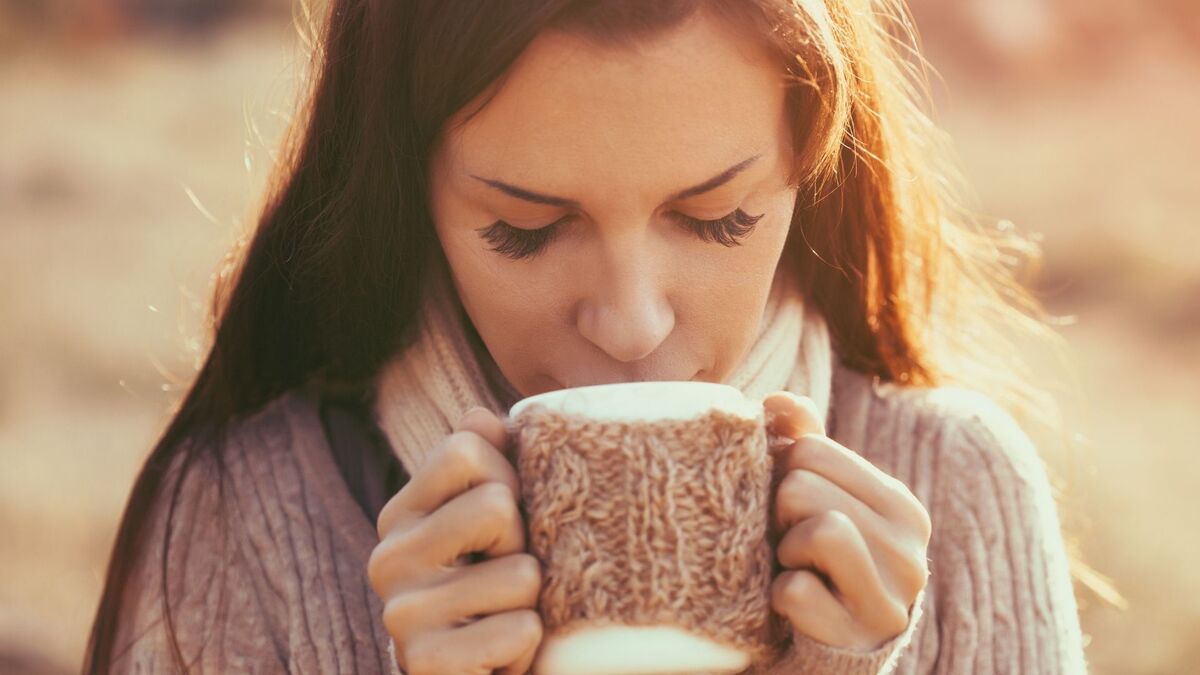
(487, 424)
(791, 416)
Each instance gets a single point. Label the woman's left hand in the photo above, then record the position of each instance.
(852, 539)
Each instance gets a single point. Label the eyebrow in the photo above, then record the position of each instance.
(538, 198)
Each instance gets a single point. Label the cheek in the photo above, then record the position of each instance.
(726, 305)
(723, 311)
(735, 280)
(521, 329)
(511, 311)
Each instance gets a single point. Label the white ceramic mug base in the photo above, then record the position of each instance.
(636, 650)
(640, 650)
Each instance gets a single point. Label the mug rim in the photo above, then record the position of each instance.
(730, 397)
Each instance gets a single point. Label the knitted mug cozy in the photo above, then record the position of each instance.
(659, 522)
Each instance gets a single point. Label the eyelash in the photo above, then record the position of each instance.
(518, 244)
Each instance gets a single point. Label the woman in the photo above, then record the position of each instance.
(490, 202)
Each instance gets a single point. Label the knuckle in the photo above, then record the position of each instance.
(897, 487)
(395, 514)
(461, 454)
(798, 483)
(794, 589)
(895, 618)
(914, 574)
(529, 626)
(400, 614)
(527, 571)
(838, 520)
(387, 516)
(906, 566)
(419, 659)
(498, 503)
(381, 566)
(376, 569)
(914, 511)
(833, 528)
(924, 525)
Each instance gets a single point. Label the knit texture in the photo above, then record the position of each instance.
(268, 565)
(658, 522)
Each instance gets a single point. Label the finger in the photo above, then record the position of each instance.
(884, 494)
(899, 555)
(484, 519)
(523, 663)
(463, 460)
(465, 594)
(803, 494)
(487, 424)
(792, 416)
(831, 543)
(803, 599)
(497, 641)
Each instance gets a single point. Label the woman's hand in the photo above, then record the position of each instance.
(851, 538)
(444, 615)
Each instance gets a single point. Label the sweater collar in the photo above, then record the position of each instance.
(426, 387)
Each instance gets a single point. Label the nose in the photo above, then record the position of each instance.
(627, 313)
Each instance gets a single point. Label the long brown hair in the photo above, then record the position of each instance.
(327, 287)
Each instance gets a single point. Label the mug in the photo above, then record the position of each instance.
(647, 504)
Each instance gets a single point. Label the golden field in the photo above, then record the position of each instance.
(129, 161)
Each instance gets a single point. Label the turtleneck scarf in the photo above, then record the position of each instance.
(447, 370)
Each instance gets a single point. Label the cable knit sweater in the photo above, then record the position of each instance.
(278, 582)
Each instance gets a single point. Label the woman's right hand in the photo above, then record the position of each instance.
(444, 615)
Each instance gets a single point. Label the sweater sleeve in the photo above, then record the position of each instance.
(218, 620)
(811, 657)
(1006, 601)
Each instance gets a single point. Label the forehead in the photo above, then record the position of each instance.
(701, 95)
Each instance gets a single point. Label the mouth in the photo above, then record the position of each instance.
(599, 381)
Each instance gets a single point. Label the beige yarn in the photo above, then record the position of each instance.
(659, 522)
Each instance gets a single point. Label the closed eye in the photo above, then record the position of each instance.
(519, 244)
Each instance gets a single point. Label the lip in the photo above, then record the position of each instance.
(588, 383)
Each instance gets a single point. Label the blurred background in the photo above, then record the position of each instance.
(136, 136)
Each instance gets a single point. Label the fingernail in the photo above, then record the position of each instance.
(776, 443)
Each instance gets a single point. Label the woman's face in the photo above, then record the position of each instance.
(571, 208)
